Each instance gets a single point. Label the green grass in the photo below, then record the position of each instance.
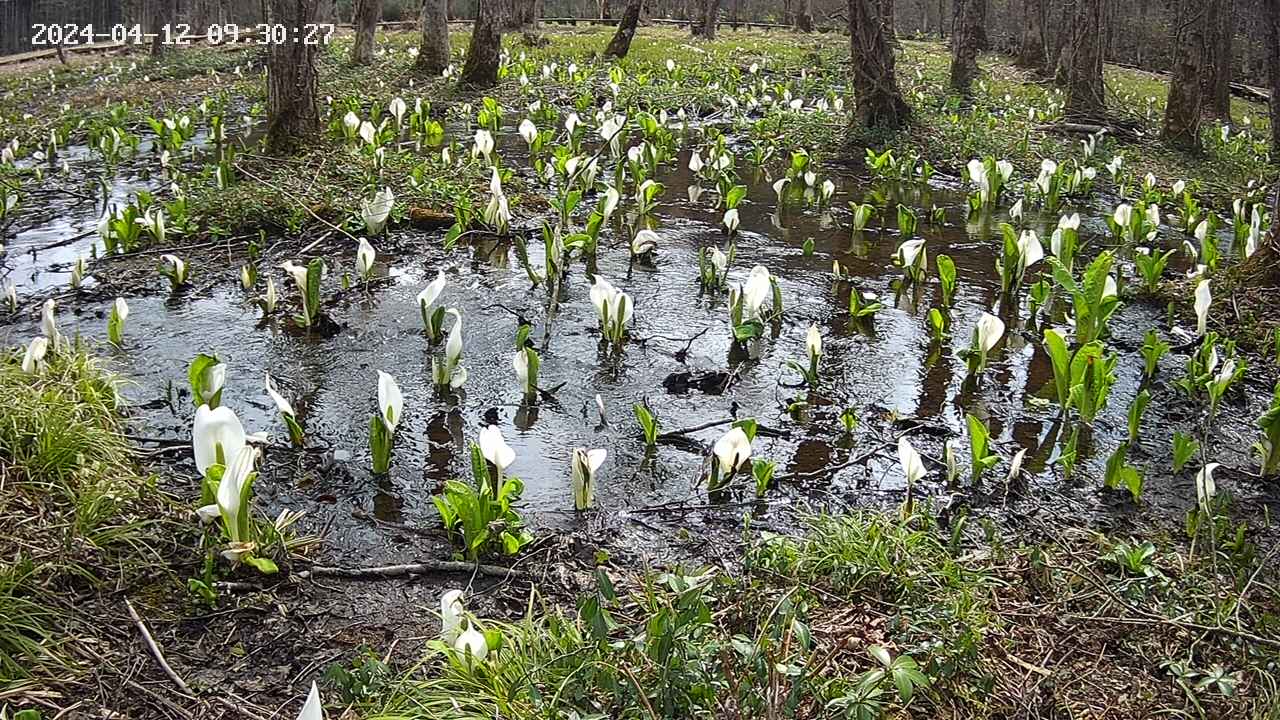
(72, 507)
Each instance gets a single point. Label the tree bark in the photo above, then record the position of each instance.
(967, 17)
(166, 13)
(292, 112)
(433, 52)
(365, 17)
(481, 68)
(1181, 126)
(1219, 59)
(1085, 89)
(887, 11)
(621, 42)
(878, 101)
(1032, 52)
(804, 18)
(704, 25)
(1271, 15)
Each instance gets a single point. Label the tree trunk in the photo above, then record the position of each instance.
(1031, 48)
(292, 113)
(1085, 90)
(481, 68)
(1217, 72)
(1186, 97)
(980, 28)
(704, 25)
(804, 18)
(166, 13)
(621, 42)
(365, 17)
(887, 11)
(878, 101)
(1271, 15)
(433, 52)
(965, 20)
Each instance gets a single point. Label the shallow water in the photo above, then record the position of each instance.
(884, 370)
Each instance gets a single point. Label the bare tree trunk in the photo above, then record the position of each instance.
(804, 18)
(966, 18)
(1186, 91)
(878, 100)
(1032, 52)
(887, 12)
(980, 28)
(1085, 89)
(621, 42)
(433, 52)
(1217, 72)
(166, 13)
(366, 15)
(292, 112)
(1271, 15)
(481, 68)
(704, 25)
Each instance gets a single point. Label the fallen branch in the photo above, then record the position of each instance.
(422, 568)
(155, 651)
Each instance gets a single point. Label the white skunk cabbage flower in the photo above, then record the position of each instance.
(990, 329)
(1205, 486)
(1204, 298)
(912, 465)
(645, 241)
(49, 323)
(217, 437)
(34, 356)
(365, 256)
(312, 709)
(390, 401)
(398, 108)
(375, 211)
(495, 449)
(732, 450)
(471, 643)
(483, 144)
(451, 613)
(813, 343)
(758, 288)
(528, 131)
(584, 465)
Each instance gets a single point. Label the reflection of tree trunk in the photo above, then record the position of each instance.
(366, 16)
(292, 113)
(1217, 72)
(804, 18)
(878, 101)
(1186, 98)
(621, 42)
(433, 52)
(966, 17)
(1085, 89)
(1031, 49)
(481, 68)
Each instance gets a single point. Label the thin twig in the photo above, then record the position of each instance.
(155, 651)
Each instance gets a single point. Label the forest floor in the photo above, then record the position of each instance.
(106, 611)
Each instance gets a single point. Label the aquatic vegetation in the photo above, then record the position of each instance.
(307, 278)
(365, 255)
(481, 513)
(1122, 476)
(115, 321)
(1094, 299)
(207, 375)
(1184, 448)
(648, 424)
(1021, 251)
(980, 456)
(1064, 240)
(912, 466)
(584, 465)
(1082, 379)
(986, 335)
(613, 307)
(285, 408)
(1203, 301)
(33, 356)
(946, 279)
(382, 426)
(526, 363)
(175, 269)
(989, 176)
(432, 315)
(1268, 448)
(813, 349)
(1151, 265)
(713, 267)
(1153, 348)
(730, 453)
(449, 372)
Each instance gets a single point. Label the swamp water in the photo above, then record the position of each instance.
(884, 368)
